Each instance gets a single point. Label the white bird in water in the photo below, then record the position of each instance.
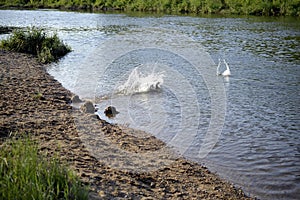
(226, 72)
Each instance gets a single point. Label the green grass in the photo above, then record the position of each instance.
(248, 7)
(36, 42)
(26, 174)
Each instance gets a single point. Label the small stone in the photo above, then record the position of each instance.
(87, 107)
(76, 99)
(101, 193)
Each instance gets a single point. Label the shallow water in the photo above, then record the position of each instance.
(256, 110)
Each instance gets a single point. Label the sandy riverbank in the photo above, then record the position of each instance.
(32, 101)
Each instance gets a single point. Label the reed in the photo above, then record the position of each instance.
(26, 174)
(248, 7)
(35, 41)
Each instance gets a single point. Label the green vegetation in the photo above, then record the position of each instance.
(6, 29)
(249, 7)
(25, 174)
(39, 96)
(35, 41)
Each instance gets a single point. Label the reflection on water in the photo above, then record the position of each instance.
(259, 146)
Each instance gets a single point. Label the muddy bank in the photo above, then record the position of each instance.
(118, 162)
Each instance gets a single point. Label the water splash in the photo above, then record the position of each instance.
(139, 82)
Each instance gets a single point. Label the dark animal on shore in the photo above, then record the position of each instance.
(111, 111)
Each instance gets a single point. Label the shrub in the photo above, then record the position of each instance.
(35, 41)
(26, 174)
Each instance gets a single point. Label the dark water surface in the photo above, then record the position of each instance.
(259, 146)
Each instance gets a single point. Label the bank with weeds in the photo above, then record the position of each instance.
(243, 7)
(27, 174)
(48, 48)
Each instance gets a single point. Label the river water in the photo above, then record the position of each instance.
(160, 73)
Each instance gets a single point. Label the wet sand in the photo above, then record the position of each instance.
(117, 162)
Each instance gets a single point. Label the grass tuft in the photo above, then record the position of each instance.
(36, 42)
(25, 174)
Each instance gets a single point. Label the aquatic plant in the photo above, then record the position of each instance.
(26, 174)
(35, 41)
(6, 29)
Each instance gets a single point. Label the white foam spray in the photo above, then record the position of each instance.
(139, 82)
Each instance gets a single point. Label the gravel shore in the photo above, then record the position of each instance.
(117, 162)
